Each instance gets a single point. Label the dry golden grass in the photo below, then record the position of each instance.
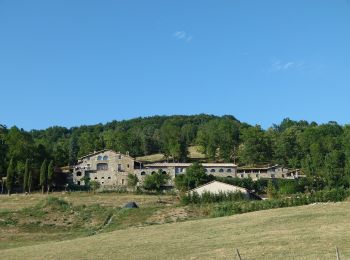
(20, 201)
(307, 232)
(151, 158)
(193, 153)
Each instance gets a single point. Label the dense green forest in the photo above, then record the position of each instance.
(321, 151)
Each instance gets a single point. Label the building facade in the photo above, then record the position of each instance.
(107, 167)
(111, 168)
(268, 172)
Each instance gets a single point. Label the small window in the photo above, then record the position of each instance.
(221, 170)
(164, 172)
(102, 177)
(95, 178)
(78, 182)
(99, 158)
(102, 182)
(119, 168)
(257, 175)
(105, 158)
(128, 166)
(122, 181)
(206, 170)
(109, 177)
(102, 166)
(153, 172)
(242, 175)
(78, 173)
(143, 173)
(282, 175)
(228, 170)
(119, 156)
(212, 170)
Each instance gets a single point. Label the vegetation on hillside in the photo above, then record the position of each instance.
(321, 151)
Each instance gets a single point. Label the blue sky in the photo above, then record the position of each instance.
(84, 62)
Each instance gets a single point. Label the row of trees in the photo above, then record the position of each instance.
(13, 177)
(321, 151)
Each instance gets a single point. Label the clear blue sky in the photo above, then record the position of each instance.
(84, 62)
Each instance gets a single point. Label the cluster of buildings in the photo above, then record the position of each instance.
(111, 168)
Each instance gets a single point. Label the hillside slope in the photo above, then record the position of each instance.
(308, 232)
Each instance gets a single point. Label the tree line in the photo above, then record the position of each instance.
(322, 151)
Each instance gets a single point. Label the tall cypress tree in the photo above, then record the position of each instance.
(30, 179)
(50, 172)
(73, 149)
(43, 176)
(10, 177)
(25, 177)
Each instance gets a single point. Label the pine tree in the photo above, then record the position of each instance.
(43, 176)
(29, 184)
(10, 177)
(25, 177)
(50, 172)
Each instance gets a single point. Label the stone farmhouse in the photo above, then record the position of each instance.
(111, 168)
(107, 167)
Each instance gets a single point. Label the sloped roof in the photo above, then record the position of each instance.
(228, 186)
(189, 164)
(102, 151)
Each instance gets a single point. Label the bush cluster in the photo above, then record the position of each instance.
(207, 197)
(231, 208)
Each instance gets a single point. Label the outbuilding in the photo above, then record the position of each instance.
(216, 187)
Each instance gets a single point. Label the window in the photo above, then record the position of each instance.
(102, 166)
(99, 158)
(164, 172)
(153, 172)
(242, 175)
(282, 175)
(119, 167)
(105, 158)
(128, 166)
(119, 156)
(206, 170)
(78, 182)
(102, 177)
(257, 175)
(122, 181)
(95, 178)
(212, 170)
(228, 170)
(109, 177)
(143, 173)
(221, 170)
(78, 173)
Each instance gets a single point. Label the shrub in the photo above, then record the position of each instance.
(208, 197)
(230, 207)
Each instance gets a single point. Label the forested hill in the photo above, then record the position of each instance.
(320, 150)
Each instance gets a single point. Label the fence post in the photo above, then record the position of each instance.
(239, 256)
(337, 253)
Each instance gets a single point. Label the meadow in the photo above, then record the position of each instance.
(305, 232)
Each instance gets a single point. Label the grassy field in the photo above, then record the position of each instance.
(307, 232)
(193, 153)
(36, 218)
